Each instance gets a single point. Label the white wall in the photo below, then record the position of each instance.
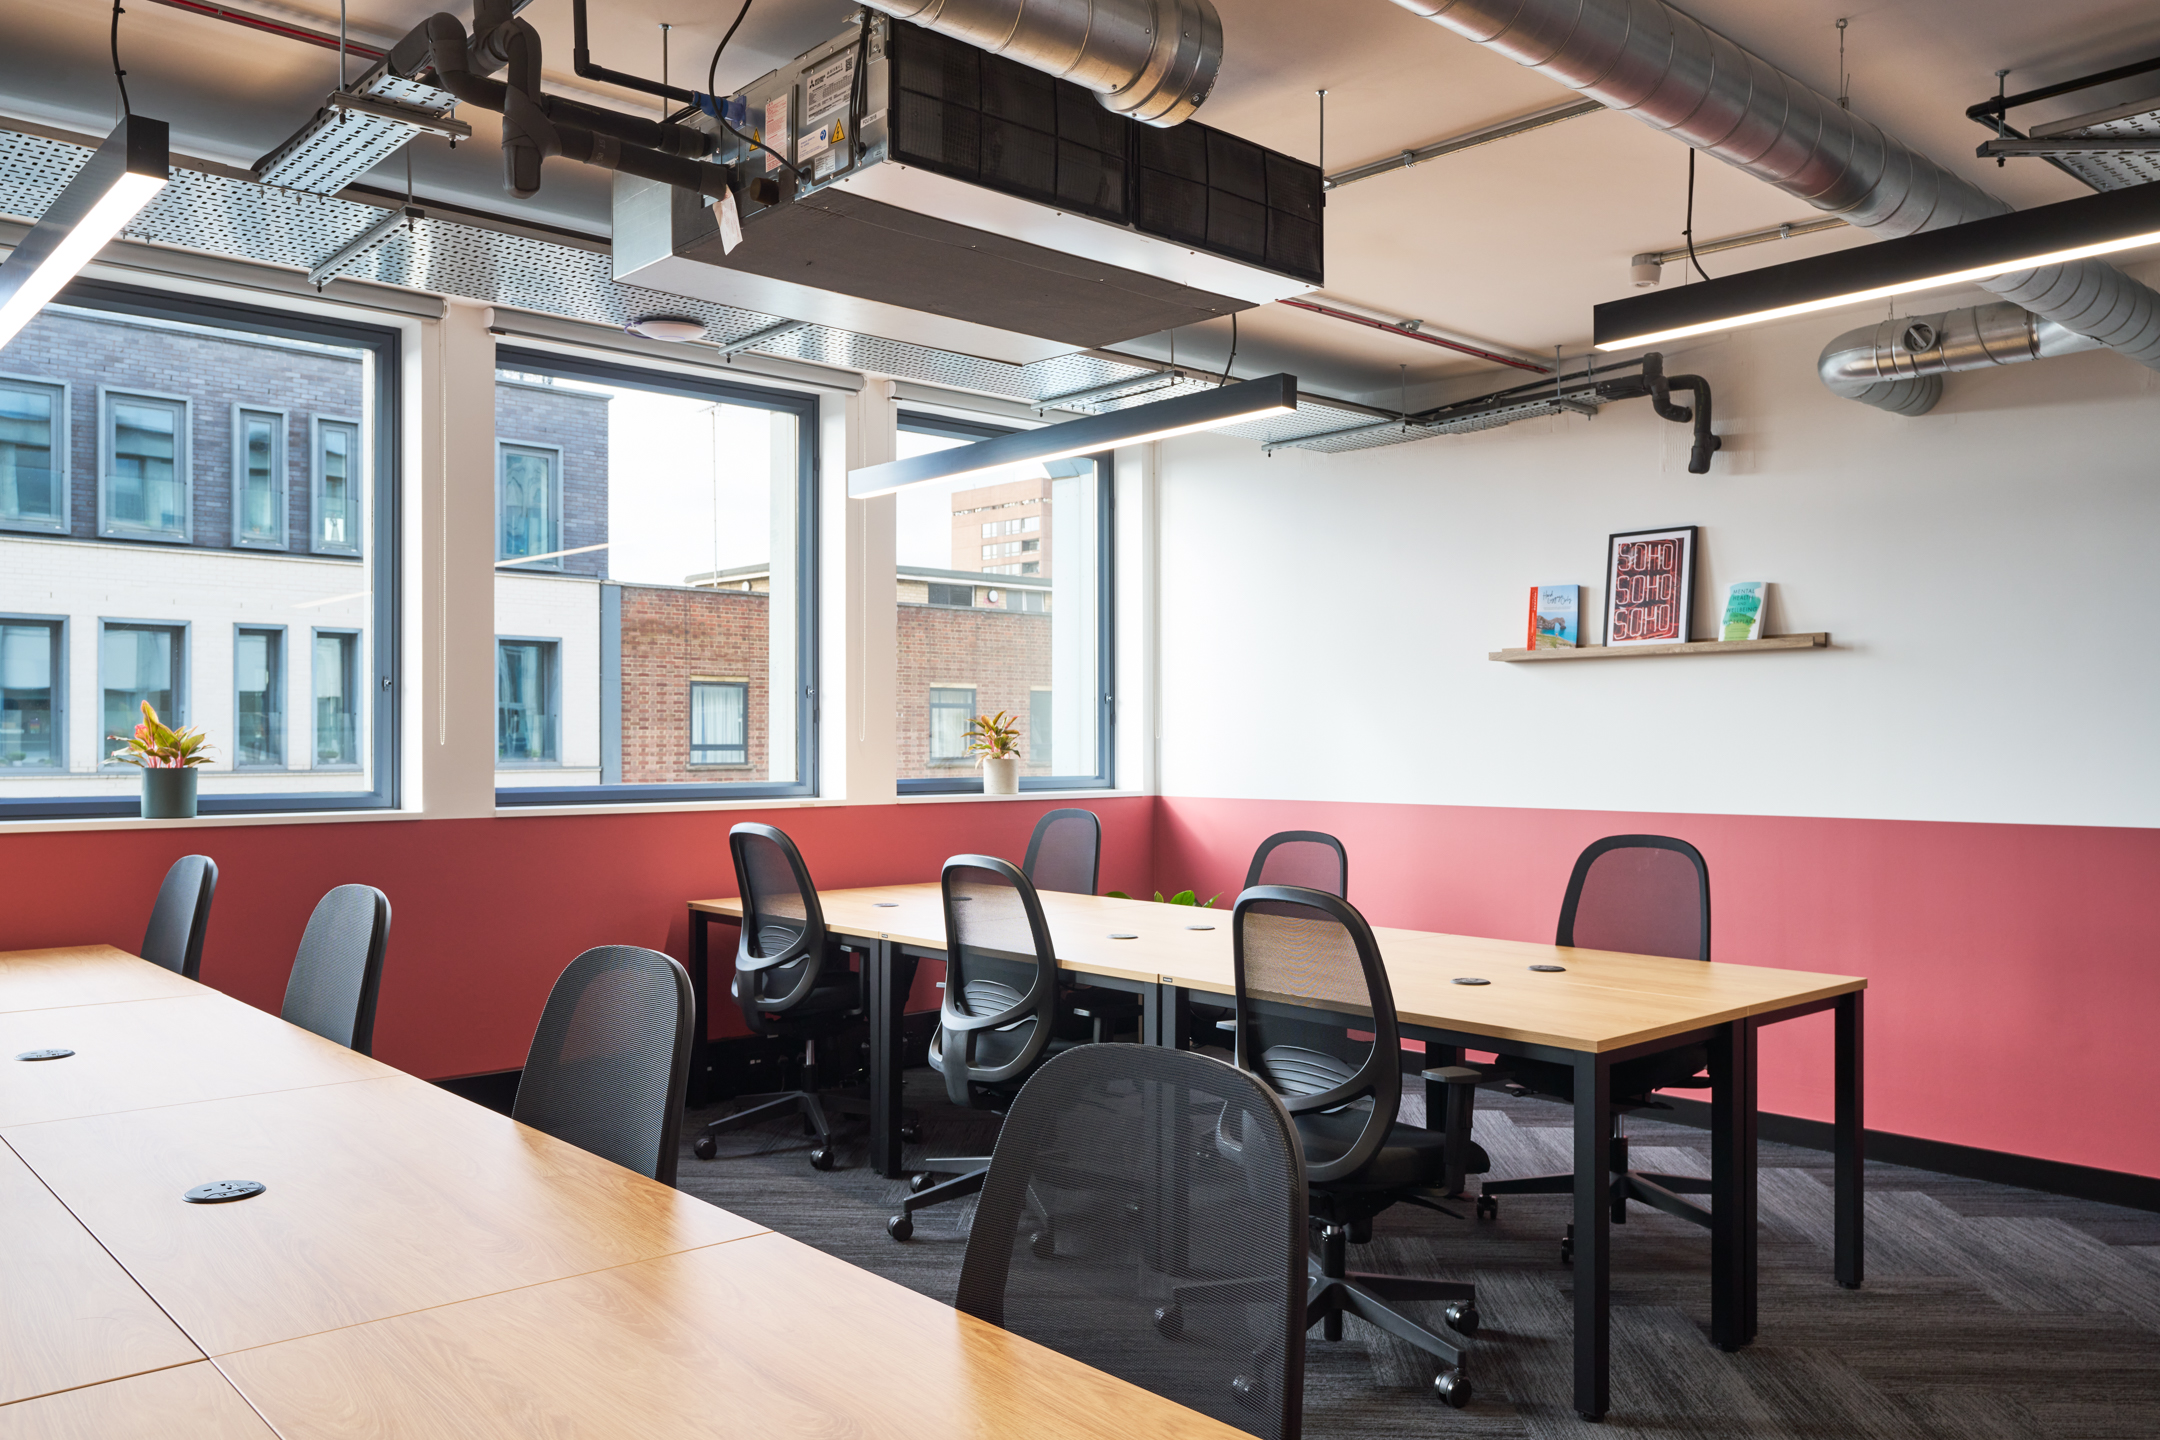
(1986, 573)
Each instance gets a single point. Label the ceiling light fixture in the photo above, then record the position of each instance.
(1977, 250)
(667, 327)
(1184, 415)
(111, 189)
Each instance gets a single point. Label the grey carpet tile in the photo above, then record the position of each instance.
(1990, 1313)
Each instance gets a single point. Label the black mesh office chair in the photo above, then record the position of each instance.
(1645, 895)
(1065, 852)
(1000, 1013)
(1296, 950)
(174, 938)
(338, 968)
(1113, 1229)
(1309, 859)
(793, 983)
(611, 1058)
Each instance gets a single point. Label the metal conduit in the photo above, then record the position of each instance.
(1152, 60)
(1648, 60)
(1898, 365)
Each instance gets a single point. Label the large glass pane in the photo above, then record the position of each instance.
(29, 661)
(145, 486)
(337, 718)
(337, 492)
(138, 663)
(29, 488)
(1000, 610)
(648, 538)
(259, 710)
(262, 446)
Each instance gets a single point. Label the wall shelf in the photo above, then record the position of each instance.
(1812, 640)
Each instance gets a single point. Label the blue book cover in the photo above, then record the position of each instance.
(1554, 614)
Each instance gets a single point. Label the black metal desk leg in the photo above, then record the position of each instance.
(1851, 1142)
(1593, 1253)
(1165, 1016)
(1732, 1186)
(698, 1092)
(886, 992)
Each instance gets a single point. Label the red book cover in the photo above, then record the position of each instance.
(1530, 640)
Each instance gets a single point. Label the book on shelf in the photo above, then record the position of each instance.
(1744, 602)
(1555, 614)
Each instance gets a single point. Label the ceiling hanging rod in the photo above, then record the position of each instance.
(1538, 120)
(1410, 330)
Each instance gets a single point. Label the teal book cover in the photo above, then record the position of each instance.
(1555, 612)
(1744, 610)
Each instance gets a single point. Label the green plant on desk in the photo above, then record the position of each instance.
(1183, 897)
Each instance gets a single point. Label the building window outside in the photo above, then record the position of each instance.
(259, 697)
(33, 456)
(719, 722)
(146, 460)
(524, 703)
(958, 595)
(259, 457)
(31, 725)
(337, 697)
(952, 707)
(138, 663)
(529, 503)
(338, 492)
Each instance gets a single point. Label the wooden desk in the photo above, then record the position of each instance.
(69, 1315)
(188, 1402)
(1601, 1009)
(84, 975)
(764, 1337)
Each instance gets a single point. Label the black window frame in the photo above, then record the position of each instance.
(548, 649)
(739, 685)
(279, 679)
(805, 407)
(1104, 778)
(385, 347)
(56, 706)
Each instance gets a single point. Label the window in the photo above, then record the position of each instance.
(528, 500)
(677, 517)
(1040, 719)
(145, 445)
(259, 697)
(259, 462)
(212, 441)
(30, 695)
(338, 491)
(963, 595)
(719, 722)
(337, 698)
(524, 703)
(1011, 527)
(139, 664)
(33, 456)
(952, 709)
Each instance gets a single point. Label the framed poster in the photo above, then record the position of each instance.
(1650, 586)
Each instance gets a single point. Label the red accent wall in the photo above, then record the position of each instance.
(485, 913)
(2013, 978)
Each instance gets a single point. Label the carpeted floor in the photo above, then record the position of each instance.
(1990, 1313)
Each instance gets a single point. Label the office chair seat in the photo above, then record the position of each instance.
(1632, 1080)
(1409, 1156)
(840, 992)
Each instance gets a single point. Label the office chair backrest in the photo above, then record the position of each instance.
(1065, 852)
(610, 1059)
(1304, 858)
(338, 967)
(1293, 951)
(1188, 1279)
(178, 921)
(781, 955)
(1000, 971)
(1642, 894)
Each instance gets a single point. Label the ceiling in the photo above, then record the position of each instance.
(1512, 242)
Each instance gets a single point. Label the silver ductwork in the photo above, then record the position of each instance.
(1152, 60)
(1898, 365)
(1646, 59)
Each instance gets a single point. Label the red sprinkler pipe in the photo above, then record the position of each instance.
(273, 27)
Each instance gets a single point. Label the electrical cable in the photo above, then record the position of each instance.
(712, 71)
(119, 75)
(1233, 350)
(1688, 230)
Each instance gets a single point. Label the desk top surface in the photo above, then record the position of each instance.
(765, 1336)
(185, 1402)
(83, 975)
(1601, 1001)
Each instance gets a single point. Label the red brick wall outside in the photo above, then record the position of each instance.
(669, 636)
(1001, 653)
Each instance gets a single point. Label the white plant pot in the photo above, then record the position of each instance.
(1001, 777)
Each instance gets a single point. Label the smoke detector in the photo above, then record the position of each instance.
(667, 327)
(1645, 271)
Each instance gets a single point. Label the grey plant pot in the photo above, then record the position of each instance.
(168, 794)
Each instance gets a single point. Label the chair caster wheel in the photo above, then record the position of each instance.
(705, 1147)
(911, 1134)
(1567, 1251)
(1452, 1389)
(919, 1182)
(900, 1227)
(1488, 1207)
(1462, 1319)
(1043, 1245)
(1169, 1321)
(822, 1158)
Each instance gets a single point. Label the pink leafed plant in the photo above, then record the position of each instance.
(157, 746)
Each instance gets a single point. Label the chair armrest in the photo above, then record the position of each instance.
(1458, 1075)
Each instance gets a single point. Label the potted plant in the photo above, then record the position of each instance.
(168, 758)
(995, 741)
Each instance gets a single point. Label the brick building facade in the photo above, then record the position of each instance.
(1001, 656)
(573, 423)
(673, 638)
